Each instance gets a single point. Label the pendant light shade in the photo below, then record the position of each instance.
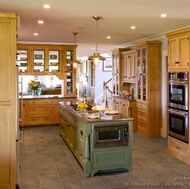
(75, 62)
(96, 57)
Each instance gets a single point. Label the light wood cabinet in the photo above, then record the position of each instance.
(42, 111)
(69, 74)
(39, 112)
(8, 100)
(179, 149)
(178, 50)
(148, 88)
(40, 59)
(128, 66)
(116, 70)
(126, 107)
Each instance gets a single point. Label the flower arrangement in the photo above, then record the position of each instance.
(129, 93)
(82, 106)
(34, 85)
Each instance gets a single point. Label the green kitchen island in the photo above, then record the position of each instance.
(100, 142)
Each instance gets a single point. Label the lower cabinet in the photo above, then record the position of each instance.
(41, 111)
(179, 149)
(126, 107)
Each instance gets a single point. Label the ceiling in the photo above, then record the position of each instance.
(67, 16)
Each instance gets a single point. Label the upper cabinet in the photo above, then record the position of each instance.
(178, 50)
(39, 59)
(128, 66)
(116, 69)
(148, 88)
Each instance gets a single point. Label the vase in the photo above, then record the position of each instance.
(34, 92)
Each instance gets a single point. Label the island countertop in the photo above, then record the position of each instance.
(84, 116)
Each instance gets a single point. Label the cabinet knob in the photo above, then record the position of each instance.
(177, 62)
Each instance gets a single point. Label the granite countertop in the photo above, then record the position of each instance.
(43, 96)
(102, 117)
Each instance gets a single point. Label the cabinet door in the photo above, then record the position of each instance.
(70, 73)
(178, 48)
(142, 74)
(38, 60)
(184, 51)
(55, 114)
(115, 72)
(8, 100)
(133, 67)
(23, 55)
(54, 61)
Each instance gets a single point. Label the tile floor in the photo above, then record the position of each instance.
(47, 163)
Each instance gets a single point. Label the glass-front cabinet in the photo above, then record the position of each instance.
(42, 59)
(141, 74)
(148, 88)
(116, 70)
(39, 59)
(69, 72)
(23, 55)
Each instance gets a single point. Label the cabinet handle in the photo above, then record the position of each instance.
(177, 147)
(177, 62)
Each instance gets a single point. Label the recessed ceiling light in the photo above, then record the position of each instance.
(40, 21)
(108, 37)
(163, 15)
(92, 48)
(46, 6)
(35, 34)
(133, 27)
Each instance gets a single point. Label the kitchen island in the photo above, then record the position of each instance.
(100, 142)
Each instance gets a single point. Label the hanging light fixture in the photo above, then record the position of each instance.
(75, 62)
(96, 57)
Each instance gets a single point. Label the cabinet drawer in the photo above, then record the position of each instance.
(142, 106)
(178, 146)
(38, 102)
(39, 110)
(141, 126)
(141, 115)
(39, 119)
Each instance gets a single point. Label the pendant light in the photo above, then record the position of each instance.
(96, 57)
(75, 62)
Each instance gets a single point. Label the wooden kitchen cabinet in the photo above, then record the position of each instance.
(178, 50)
(39, 112)
(42, 111)
(148, 88)
(126, 107)
(39, 59)
(128, 66)
(8, 100)
(69, 75)
(116, 69)
(179, 149)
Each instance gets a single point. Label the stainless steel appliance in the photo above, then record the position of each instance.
(178, 90)
(112, 135)
(178, 126)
